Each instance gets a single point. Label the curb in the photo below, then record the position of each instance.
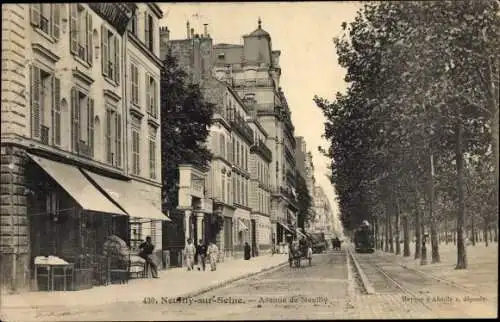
(231, 280)
(364, 280)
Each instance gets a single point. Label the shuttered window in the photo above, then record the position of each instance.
(134, 81)
(90, 126)
(109, 129)
(36, 109)
(81, 28)
(151, 96)
(152, 152)
(135, 151)
(110, 58)
(56, 112)
(118, 139)
(75, 119)
(47, 18)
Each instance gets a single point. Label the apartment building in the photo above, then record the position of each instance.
(254, 71)
(66, 183)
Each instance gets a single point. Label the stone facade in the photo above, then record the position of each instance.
(253, 71)
(63, 77)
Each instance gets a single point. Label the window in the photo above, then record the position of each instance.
(110, 58)
(47, 18)
(132, 25)
(228, 181)
(152, 96)
(149, 31)
(82, 123)
(81, 32)
(136, 233)
(136, 128)
(46, 92)
(152, 152)
(113, 136)
(235, 197)
(134, 80)
(222, 146)
(223, 185)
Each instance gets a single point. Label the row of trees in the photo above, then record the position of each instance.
(414, 140)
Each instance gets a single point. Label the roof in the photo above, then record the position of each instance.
(259, 31)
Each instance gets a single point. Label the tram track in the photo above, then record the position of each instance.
(417, 287)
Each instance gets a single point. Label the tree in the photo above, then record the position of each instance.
(185, 125)
(422, 96)
(304, 201)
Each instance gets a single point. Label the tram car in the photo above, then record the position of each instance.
(364, 241)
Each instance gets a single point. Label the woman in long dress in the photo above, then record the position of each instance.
(213, 254)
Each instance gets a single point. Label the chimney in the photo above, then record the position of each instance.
(205, 25)
(164, 39)
(187, 30)
(192, 32)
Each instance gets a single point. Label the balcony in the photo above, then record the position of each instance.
(116, 14)
(240, 125)
(257, 82)
(261, 148)
(44, 135)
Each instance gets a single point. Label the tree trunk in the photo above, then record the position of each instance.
(473, 231)
(461, 250)
(406, 237)
(391, 236)
(397, 228)
(446, 230)
(433, 224)
(418, 250)
(386, 232)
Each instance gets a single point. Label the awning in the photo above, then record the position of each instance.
(242, 225)
(292, 215)
(286, 227)
(301, 233)
(72, 180)
(125, 195)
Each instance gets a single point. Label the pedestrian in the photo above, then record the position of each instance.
(189, 252)
(213, 254)
(201, 252)
(146, 251)
(247, 251)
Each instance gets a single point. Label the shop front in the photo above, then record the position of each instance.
(71, 218)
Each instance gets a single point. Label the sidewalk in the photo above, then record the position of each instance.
(480, 276)
(172, 283)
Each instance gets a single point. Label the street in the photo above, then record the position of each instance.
(329, 289)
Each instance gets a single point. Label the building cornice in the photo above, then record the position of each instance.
(156, 9)
(83, 76)
(42, 50)
(139, 44)
(112, 95)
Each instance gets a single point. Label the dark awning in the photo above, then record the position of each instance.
(72, 180)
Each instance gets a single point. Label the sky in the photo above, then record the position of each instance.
(304, 33)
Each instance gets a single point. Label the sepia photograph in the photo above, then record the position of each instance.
(290, 160)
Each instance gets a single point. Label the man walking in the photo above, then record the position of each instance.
(201, 252)
(213, 254)
(146, 251)
(189, 252)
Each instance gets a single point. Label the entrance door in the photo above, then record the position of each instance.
(255, 251)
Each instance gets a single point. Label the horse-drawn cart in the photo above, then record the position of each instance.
(297, 252)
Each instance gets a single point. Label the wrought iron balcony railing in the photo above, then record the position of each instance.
(44, 135)
(242, 127)
(261, 148)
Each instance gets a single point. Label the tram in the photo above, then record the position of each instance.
(364, 240)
